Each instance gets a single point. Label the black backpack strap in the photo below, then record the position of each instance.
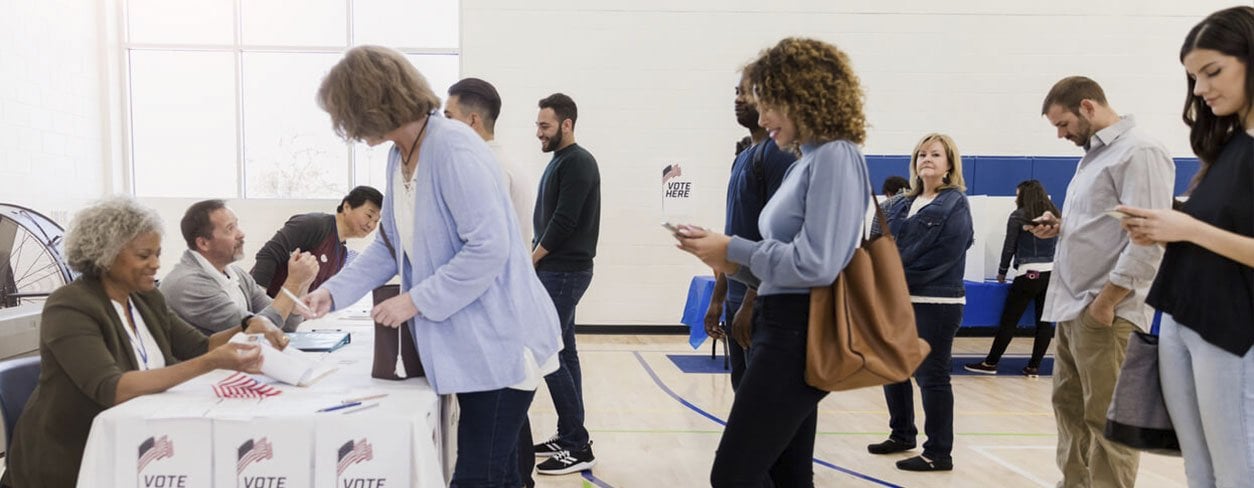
(758, 166)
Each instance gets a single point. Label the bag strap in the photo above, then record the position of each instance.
(387, 242)
(879, 212)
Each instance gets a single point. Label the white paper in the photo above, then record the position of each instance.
(290, 365)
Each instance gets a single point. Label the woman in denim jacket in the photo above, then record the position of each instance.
(932, 225)
(1034, 258)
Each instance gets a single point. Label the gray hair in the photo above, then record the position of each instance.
(99, 232)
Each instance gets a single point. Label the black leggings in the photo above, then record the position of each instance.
(1023, 291)
(769, 437)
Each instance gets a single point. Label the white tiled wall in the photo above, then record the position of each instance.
(52, 130)
(653, 80)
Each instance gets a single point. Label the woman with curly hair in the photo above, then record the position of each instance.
(810, 102)
(106, 338)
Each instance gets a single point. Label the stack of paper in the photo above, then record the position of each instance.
(290, 365)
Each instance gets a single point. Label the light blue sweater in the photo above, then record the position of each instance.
(478, 297)
(811, 225)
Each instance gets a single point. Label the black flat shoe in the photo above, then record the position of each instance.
(889, 446)
(918, 463)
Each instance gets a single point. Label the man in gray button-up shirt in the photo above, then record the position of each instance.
(1097, 290)
(209, 292)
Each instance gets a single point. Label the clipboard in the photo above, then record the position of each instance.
(319, 341)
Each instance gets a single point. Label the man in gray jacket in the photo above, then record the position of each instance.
(209, 292)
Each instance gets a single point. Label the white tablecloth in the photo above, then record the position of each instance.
(189, 438)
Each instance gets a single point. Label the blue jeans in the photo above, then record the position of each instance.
(487, 438)
(769, 437)
(566, 384)
(938, 323)
(736, 355)
(1210, 396)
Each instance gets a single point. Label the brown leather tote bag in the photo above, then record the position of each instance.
(862, 331)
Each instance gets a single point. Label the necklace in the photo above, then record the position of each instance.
(412, 155)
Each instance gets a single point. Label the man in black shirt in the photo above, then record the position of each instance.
(567, 222)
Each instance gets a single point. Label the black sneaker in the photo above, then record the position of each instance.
(981, 367)
(566, 462)
(889, 446)
(920, 463)
(548, 448)
(1031, 372)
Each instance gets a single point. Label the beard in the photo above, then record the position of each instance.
(1085, 133)
(553, 143)
(747, 117)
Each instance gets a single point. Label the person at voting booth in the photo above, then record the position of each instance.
(106, 338)
(484, 326)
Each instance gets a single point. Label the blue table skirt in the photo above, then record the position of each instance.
(699, 292)
(984, 305)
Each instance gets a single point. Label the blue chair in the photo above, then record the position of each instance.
(18, 378)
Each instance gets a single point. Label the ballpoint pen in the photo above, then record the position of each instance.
(339, 407)
(297, 301)
(363, 407)
(362, 399)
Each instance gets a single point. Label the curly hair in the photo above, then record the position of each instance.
(99, 232)
(372, 91)
(813, 84)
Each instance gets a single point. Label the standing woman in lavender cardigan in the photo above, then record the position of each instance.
(484, 325)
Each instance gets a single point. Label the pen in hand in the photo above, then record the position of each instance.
(295, 299)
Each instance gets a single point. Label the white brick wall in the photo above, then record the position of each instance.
(52, 150)
(654, 83)
(653, 80)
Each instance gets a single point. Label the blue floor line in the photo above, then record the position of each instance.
(699, 410)
(587, 475)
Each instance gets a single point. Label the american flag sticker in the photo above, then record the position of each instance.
(153, 449)
(352, 452)
(252, 451)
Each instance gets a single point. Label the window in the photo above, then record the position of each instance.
(222, 94)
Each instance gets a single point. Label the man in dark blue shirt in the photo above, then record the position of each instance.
(567, 225)
(756, 174)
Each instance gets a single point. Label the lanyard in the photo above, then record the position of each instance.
(133, 330)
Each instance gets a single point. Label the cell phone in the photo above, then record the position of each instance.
(671, 227)
(1117, 214)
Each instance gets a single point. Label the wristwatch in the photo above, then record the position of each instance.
(243, 323)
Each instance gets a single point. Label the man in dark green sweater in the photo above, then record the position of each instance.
(567, 221)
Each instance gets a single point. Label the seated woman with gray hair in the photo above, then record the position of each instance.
(106, 338)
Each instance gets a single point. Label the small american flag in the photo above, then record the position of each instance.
(240, 385)
(251, 452)
(670, 172)
(352, 453)
(153, 449)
